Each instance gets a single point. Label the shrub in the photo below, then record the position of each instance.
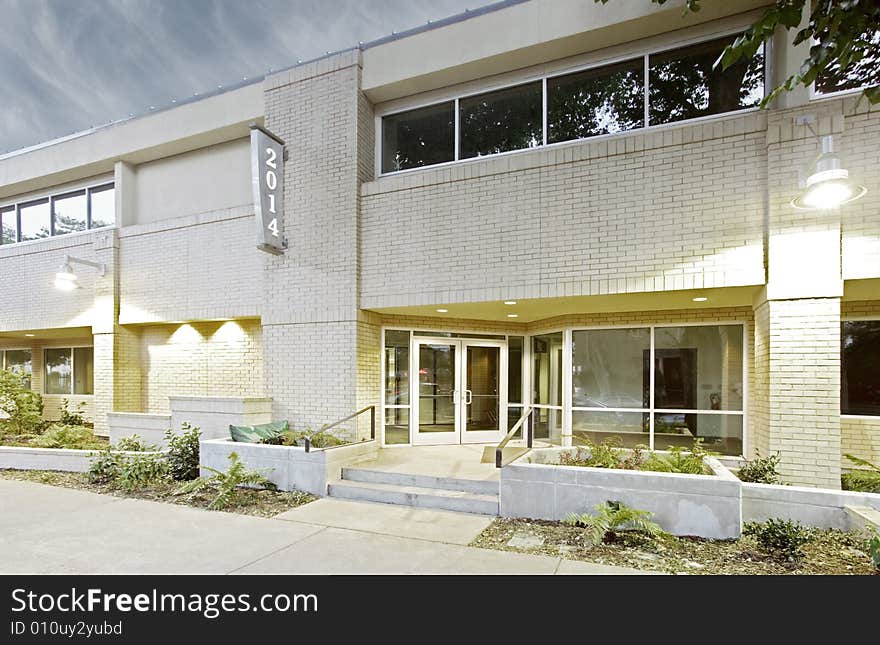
(225, 485)
(66, 436)
(138, 470)
(183, 452)
(612, 519)
(22, 406)
(595, 455)
(779, 537)
(133, 444)
(874, 550)
(126, 471)
(864, 480)
(679, 460)
(761, 470)
(104, 467)
(75, 417)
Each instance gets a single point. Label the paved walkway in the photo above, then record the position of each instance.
(46, 529)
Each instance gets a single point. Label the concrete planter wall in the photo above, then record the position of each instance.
(63, 459)
(214, 415)
(702, 505)
(289, 467)
(820, 507)
(150, 427)
(211, 414)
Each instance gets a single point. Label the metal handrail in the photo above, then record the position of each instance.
(327, 426)
(530, 431)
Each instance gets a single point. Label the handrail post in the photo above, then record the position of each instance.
(308, 444)
(373, 422)
(530, 433)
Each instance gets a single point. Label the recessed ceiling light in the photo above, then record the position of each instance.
(513, 315)
(442, 311)
(29, 335)
(700, 299)
(510, 302)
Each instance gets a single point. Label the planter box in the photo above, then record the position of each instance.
(213, 415)
(292, 468)
(150, 427)
(63, 459)
(702, 505)
(820, 507)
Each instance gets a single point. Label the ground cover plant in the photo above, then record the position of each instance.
(865, 479)
(827, 551)
(609, 454)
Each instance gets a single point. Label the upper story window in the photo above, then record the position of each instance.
(863, 73)
(684, 83)
(79, 210)
(500, 121)
(860, 378)
(653, 88)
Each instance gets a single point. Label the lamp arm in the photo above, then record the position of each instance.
(100, 266)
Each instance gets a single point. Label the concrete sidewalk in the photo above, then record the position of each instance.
(46, 529)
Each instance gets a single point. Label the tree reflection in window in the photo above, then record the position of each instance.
(860, 378)
(596, 101)
(685, 84)
(508, 119)
(862, 73)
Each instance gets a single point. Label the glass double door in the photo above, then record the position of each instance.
(461, 392)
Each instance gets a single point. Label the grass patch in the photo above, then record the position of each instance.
(247, 501)
(828, 551)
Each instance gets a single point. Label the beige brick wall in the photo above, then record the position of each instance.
(860, 436)
(191, 268)
(639, 212)
(199, 359)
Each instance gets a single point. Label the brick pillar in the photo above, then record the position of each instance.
(797, 316)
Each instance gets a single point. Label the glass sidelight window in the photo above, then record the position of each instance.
(69, 370)
(396, 386)
(686, 383)
(547, 351)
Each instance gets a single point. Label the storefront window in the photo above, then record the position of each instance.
(547, 386)
(18, 361)
(69, 371)
(860, 374)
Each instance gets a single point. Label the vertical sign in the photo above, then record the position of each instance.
(267, 178)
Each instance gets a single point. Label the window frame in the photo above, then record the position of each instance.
(652, 410)
(635, 54)
(869, 318)
(49, 198)
(70, 348)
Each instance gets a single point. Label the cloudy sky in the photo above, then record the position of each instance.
(67, 65)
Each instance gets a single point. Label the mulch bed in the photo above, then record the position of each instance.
(829, 552)
(260, 503)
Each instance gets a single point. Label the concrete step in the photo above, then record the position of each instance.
(370, 475)
(437, 498)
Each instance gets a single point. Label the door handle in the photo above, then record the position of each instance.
(469, 397)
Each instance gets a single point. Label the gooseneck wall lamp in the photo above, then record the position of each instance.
(828, 184)
(66, 279)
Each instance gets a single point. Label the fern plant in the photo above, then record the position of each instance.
(225, 485)
(612, 519)
(680, 461)
(865, 479)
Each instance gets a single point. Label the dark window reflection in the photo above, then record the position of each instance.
(419, 137)
(685, 84)
(596, 101)
(509, 119)
(860, 376)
